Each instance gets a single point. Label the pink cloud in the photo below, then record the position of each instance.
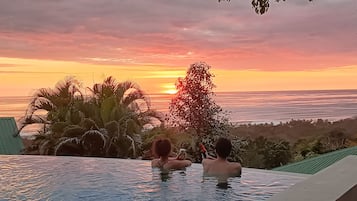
(291, 36)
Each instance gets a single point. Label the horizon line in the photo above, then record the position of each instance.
(254, 91)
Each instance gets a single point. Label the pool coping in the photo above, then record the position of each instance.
(331, 183)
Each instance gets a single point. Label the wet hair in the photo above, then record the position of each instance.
(162, 147)
(223, 147)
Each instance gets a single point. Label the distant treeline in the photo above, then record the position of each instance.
(295, 130)
(267, 145)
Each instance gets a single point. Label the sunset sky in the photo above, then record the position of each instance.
(297, 45)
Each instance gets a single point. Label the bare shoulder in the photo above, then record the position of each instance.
(207, 165)
(236, 165)
(207, 161)
(204, 161)
(236, 168)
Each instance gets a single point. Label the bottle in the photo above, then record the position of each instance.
(182, 154)
(203, 151)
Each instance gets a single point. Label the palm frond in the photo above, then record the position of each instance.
(43, 104)
(151, 115)
(135, 95)
(30, 120)
(94, 142)
(125, 88)
(67, 143)
(73, 131)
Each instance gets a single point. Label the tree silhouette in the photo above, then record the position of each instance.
(194, 111)
(260, 6)
(193, 107)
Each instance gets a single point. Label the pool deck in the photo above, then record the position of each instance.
(337, 182)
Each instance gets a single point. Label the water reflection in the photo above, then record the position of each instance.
(79, 178)
(223, 185)
(222, 181)
(165, 176)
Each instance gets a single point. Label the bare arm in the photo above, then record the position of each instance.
(178, 164)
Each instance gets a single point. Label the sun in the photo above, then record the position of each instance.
(170, 91)
(169, 88)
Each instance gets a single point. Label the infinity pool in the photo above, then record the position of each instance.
(77, 178)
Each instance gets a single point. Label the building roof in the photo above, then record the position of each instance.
(315, 164)
(8, 143)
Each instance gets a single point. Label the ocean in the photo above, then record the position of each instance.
(248, 107)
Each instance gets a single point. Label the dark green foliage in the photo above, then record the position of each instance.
(78, 125)
(306, 139)
(89, 124)
(58, 127)
(73, 131)
(277, 153)
(263, 153)
(70, 148)
(178, 139)
(318, 148)
(93, 143)
(112, 128)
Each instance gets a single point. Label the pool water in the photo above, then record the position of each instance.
(27, 177)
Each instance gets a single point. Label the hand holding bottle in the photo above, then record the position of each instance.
(203, 151)
(181, 155)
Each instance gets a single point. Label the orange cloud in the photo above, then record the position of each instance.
(295, 41)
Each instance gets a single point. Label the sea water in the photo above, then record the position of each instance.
(248, 107)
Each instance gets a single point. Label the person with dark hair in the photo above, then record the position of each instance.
(162, 150)
(220, 166)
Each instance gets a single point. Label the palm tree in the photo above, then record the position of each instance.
(123, 109)
(52, 110)
(108, 122)
(49, 106)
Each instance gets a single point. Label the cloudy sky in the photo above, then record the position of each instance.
(296, 45)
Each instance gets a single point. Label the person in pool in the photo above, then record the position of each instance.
(220, 166)
(162, 149)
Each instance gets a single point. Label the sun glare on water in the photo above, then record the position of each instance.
(171, 91)
(169, 88)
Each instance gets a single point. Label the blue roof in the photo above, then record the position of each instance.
(9, 144)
